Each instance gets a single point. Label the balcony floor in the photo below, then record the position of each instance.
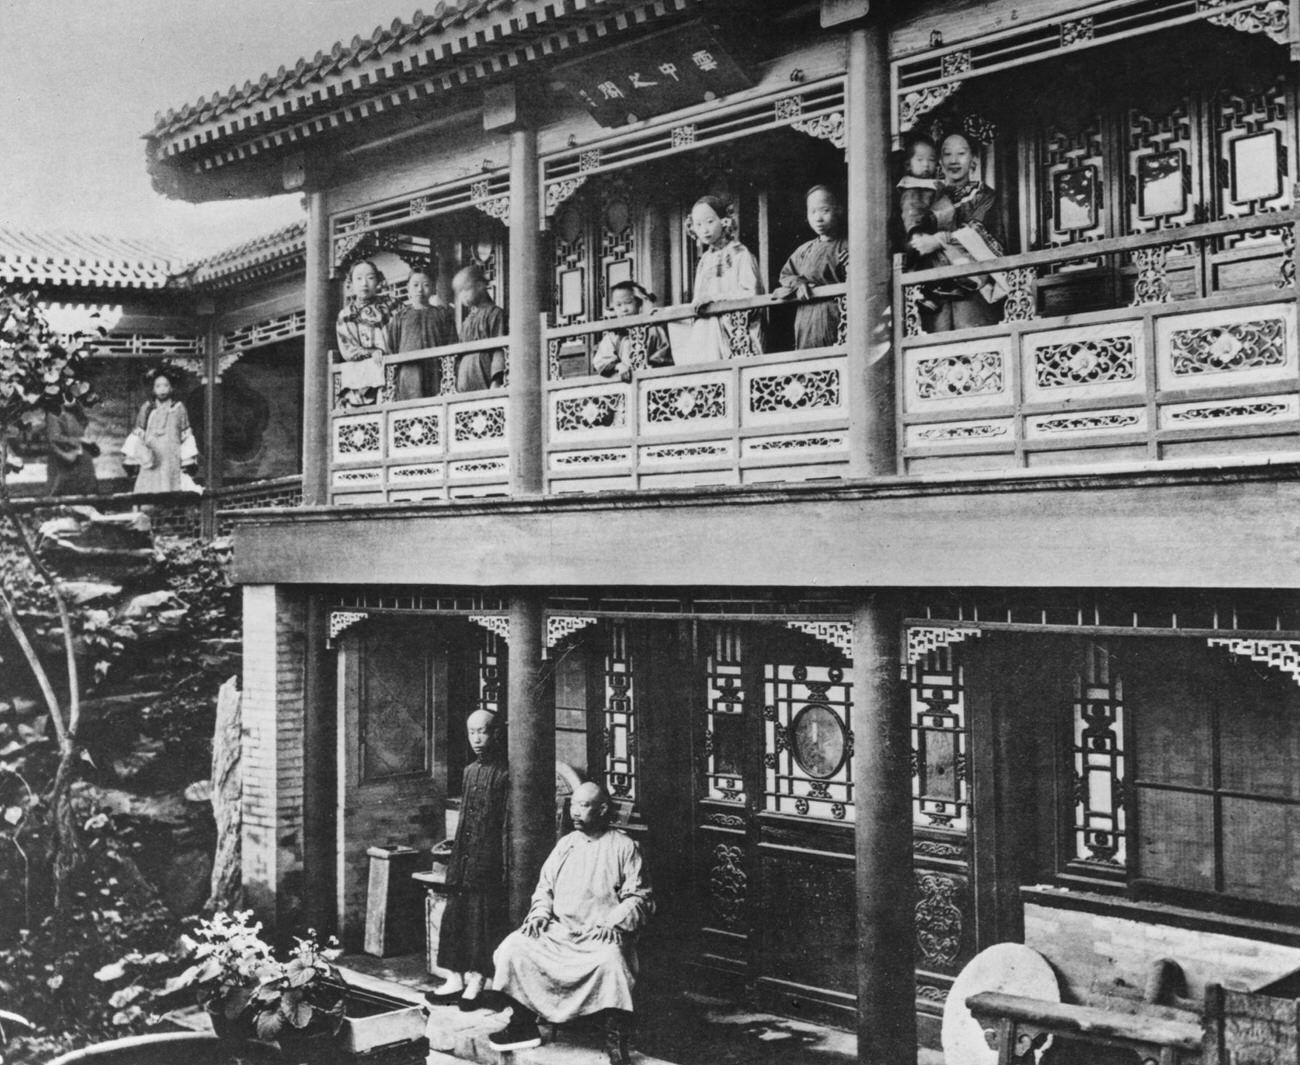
(674, 1027)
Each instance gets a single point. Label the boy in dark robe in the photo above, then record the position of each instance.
(476, 918)
(477, 370)
(821, 261)
(417, 326)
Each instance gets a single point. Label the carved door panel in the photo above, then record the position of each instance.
(392, 685)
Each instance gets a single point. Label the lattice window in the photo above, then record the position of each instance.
(492, 673)
(267, 331)
(1163, 184)
(1073, 176)
(724, 714)
(941, 787)
(1100, 819)
(617, 241)
(808, 753)
(570, 263)
(620, 717)
(1254, 146)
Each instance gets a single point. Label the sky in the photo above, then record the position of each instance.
(83, 79)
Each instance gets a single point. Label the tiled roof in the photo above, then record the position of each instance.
(403, 63)
(51, 259)
(81, 259)
(262, 255)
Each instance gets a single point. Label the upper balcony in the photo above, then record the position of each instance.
(1190, 352)
(746, 418)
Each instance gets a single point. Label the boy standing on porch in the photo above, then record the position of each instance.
(483, 319)
(476, 918)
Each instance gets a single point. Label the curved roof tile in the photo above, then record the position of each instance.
(299, 87)
(55, 258)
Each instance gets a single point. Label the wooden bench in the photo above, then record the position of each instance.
(1158, 1033)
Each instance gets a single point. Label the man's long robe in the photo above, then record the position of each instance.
(587, 882)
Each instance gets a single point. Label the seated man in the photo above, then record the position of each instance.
(573, 956)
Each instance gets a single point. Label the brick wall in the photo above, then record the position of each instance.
(1099, 956)
(274, 664)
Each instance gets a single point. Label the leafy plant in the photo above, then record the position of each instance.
(234, 975)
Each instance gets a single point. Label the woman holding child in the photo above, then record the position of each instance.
(962, 225)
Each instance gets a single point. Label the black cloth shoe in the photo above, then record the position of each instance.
(617, 1025)
(520, 1034)
(435, 999)
(468, 1005)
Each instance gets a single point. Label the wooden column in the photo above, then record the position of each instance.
(871, 365)
(882, 788)
(316, 359)
(320, 786)
(213, 459)
(526, 355)
(531, 751)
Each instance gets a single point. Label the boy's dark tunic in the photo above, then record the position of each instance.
(476, 369)
(476, 918)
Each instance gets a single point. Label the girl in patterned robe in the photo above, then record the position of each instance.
(362, 329)
(727, 271)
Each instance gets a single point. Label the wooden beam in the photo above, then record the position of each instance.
(1122, 531)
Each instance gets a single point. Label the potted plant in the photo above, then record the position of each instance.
(300, 1006)
(231, 961)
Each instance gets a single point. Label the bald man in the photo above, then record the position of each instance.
(573, 956)
(476, 917)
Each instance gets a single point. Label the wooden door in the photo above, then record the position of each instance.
(774, 820)
(392, 694)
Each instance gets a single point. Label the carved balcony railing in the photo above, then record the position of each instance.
(776, 416)
(448, 446)
(1187, 349)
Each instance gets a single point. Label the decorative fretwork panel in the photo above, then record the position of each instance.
(1243, 346)
(480, 424)
(1073, 168)
(941, 787)
(724, 718)
(680, 404)
(794, 391)
(594, 409)
(978, 373)
(267, 331)
(1097, 741)
(357, 439)
(620, 732)
(415, 432)
(1085, 362)
(942, 904)
(808, 746)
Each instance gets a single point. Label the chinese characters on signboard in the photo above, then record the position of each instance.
(653, 76)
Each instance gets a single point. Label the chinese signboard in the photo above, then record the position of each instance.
(661, 73)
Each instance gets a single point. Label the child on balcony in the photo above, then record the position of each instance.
(727, 271)
(417, 326)
(483, 319)
(476, 918)
(633, 347)
(362, 329)
(821, 261)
